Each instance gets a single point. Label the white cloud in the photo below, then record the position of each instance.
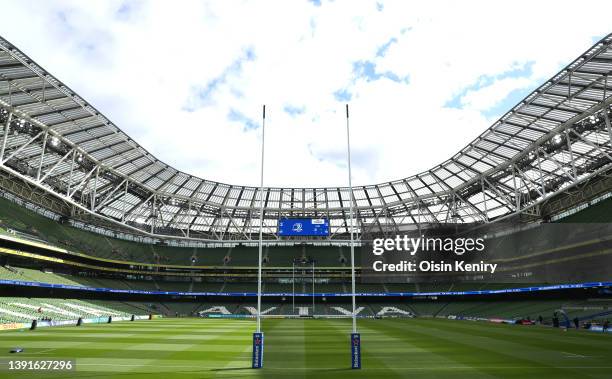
(487, 97)
(141, 65)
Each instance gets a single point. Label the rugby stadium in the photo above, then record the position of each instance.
(128, 267)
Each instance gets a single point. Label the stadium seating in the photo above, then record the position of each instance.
(166, 286)
(20, 309)
(505, 310)
(239, 287)
(32, 225)
(26, 274)
(29, 224)
(599, 212)
(32, 275)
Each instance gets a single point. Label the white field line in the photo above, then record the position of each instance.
(572, 355)
(46, 351)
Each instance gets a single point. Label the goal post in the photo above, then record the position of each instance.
(258, 337)
(355, 336)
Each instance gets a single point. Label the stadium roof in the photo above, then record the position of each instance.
(556, 137)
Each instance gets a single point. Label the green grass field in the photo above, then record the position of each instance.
(398, 348)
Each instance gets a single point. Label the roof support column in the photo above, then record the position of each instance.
(6, 133)
(95, 189)
(594, 146)
(608, 126)
(571, 153)
(74, 153)
(124, 202)
(188, 212)
(82, 182)
(537, 153)
(517, 197)
(153, 213)
(484, 198)
(42, 155)
(14, 153)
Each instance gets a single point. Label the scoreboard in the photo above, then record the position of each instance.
(303, 227)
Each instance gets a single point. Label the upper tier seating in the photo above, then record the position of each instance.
(599, 212)
(28, 223)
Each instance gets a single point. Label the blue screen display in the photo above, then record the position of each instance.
(303, 227)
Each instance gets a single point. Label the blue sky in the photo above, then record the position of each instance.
(423, 79)
(507, 100)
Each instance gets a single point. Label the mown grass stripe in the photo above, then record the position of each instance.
(417, 348)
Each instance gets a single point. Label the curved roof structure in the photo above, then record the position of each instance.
(53, 139)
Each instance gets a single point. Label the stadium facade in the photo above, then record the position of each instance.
(550, 152)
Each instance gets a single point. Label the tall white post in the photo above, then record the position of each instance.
(348, 145)
(258, 345)
(355, 337)
(261, 211)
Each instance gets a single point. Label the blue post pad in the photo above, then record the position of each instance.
(258, 348)
(355, 351)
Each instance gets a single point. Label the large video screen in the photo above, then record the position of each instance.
(303, 227)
